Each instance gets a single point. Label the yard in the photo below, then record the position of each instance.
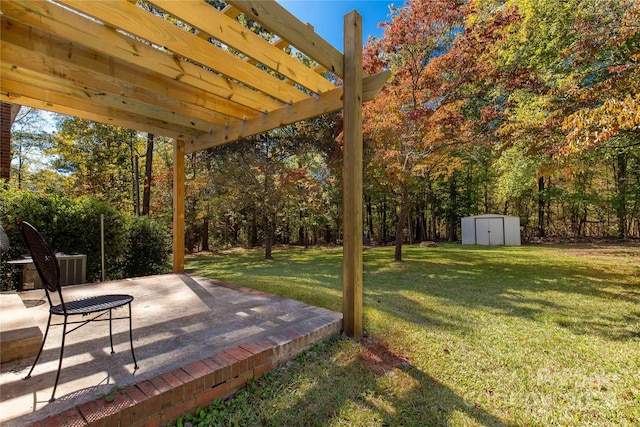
(455, 335)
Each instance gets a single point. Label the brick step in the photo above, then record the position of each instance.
(19, 335)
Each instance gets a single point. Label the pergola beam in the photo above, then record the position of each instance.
(57, 91)
(94, 72)
(130, 18)
(210, 21)
(326, 103)
(14, 92)
(104, 40)
(281, 22)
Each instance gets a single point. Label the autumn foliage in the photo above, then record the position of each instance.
(520, 107)
(543, 81)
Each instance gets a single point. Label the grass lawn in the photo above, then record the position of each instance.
(455, 335)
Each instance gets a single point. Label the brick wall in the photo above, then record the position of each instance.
(5, 141)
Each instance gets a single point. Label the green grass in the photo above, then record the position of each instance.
(456, 335)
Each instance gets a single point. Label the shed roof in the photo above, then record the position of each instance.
(491, 216)
(196, 73)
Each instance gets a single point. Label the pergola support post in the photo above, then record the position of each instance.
(352, 177)
(178, 206)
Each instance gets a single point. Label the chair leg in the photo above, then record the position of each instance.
(135, 363)
(64, 334)
(44, 339)
(110, 333)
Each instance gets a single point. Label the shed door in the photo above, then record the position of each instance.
(489, 231)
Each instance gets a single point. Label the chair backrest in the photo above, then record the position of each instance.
(44, 259)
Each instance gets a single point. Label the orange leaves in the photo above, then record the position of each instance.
(490, 112)
(629, 23)
(390, 154)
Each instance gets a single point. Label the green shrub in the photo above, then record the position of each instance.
(77, 229)
(148, 248)
(133, 246)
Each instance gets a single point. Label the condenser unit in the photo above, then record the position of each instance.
(73, 268)
(73, 271)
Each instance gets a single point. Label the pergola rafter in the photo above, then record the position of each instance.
(196, 74)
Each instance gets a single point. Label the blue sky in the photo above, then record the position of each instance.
(327, 16)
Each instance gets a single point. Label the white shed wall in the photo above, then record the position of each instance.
(468, 231)
(512, 231)
(491, 230)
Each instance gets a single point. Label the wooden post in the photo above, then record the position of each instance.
(178, 206)
(352, 178)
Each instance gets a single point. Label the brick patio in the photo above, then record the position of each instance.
(196, 340)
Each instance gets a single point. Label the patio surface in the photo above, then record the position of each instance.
(195, 340)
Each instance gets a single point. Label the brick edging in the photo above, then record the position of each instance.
(162, 399)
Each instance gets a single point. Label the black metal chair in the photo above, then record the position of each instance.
(97, 306)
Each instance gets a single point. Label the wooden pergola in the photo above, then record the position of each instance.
(196, 75)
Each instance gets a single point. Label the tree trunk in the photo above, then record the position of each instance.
(541, 200)
(621, 186)
(287, 231)
(548, 207)
(136, 183)
(453, 201)
(191, 238)
(422, 218)
(432, 207)
(370, 218)
(486, 188)
(205, 234)
(148, 168)
(235, 230)
(253, 242)
(20, 166)
(267, 236)
(384, 231)
(402, 217)
(419, 224)
(302, 230)
(266, 220)
(410, 226)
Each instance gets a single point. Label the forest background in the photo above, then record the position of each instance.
(521, 107)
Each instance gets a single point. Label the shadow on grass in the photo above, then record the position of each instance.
(358, 393)
(506, 282)
(473, 298)
(527, 282)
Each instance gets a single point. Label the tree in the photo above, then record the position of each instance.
(148, 175)
(584, 54)
(409, 122)
(100, 159)
(552, 78)
(29, 142)
(268, 185)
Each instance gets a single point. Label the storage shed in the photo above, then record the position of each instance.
(491, 230)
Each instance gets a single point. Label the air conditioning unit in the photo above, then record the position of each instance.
(73, 268)
(73, 271)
